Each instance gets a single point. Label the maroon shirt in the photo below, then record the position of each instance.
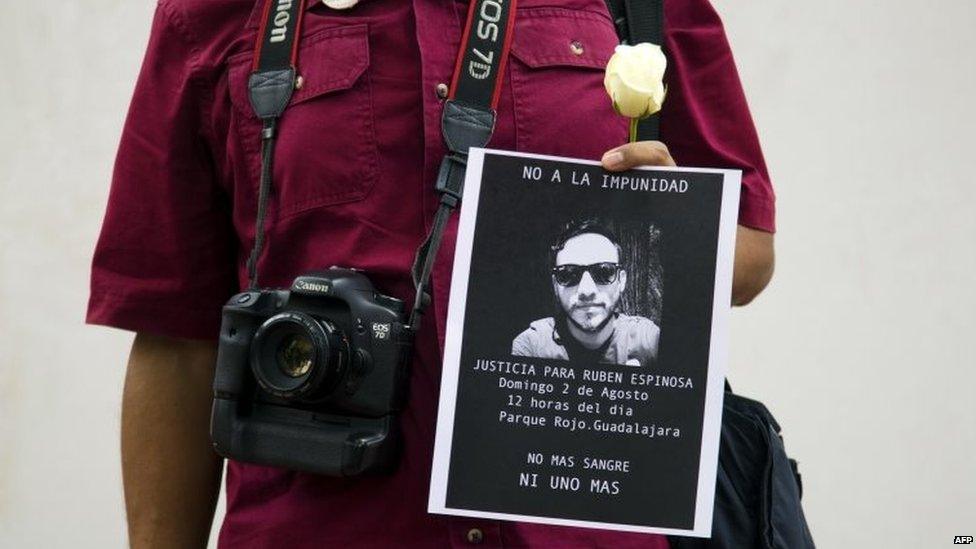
(357, 155)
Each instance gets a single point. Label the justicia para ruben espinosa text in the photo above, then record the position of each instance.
(506, 367)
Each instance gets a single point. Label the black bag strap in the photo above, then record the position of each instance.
(640, 21)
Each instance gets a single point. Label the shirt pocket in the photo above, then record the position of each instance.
(326, 151)
(559, 57)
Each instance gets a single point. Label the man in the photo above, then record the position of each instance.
(588, 280)
(357, 154)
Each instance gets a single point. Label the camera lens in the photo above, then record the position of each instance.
(296, 356)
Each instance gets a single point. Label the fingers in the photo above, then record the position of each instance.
(641, 153)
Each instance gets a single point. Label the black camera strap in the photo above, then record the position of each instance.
(270, 87)
(468, 119)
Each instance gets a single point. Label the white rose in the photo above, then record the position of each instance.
(635, 79)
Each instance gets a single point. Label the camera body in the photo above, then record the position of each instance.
(311, 378)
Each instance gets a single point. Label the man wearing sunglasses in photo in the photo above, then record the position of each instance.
(588, 280)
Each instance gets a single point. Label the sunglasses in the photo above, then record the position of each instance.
(570, 275)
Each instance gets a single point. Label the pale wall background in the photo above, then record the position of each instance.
(862, 346)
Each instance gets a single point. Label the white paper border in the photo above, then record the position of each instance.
(717, 354)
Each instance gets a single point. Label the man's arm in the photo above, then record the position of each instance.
(170, 472)
(754, 258)
(753, 266)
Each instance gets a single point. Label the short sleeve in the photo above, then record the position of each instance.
(649, 338)
(522, 344)
(706, 120)
(165, 261)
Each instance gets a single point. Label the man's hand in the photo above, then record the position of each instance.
(754, 258)
(170, 472)
(641, 153)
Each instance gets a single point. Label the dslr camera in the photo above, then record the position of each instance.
(311, 378)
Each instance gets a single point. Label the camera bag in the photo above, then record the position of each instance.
(758, 489)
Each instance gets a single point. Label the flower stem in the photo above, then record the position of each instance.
(633, 129)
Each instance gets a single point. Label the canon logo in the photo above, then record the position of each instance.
(281, 18)
(313, 286)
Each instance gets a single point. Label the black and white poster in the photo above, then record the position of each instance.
(586, 345)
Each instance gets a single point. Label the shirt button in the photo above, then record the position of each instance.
(442, 90)
(576, 47)
(475, 536)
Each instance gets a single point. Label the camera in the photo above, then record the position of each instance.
(311, 378)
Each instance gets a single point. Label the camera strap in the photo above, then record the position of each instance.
(468, 119)
(269, 87)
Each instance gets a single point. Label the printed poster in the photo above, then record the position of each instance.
(586, 346)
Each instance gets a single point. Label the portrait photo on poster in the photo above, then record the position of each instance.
(606, 288)
(585, 346)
